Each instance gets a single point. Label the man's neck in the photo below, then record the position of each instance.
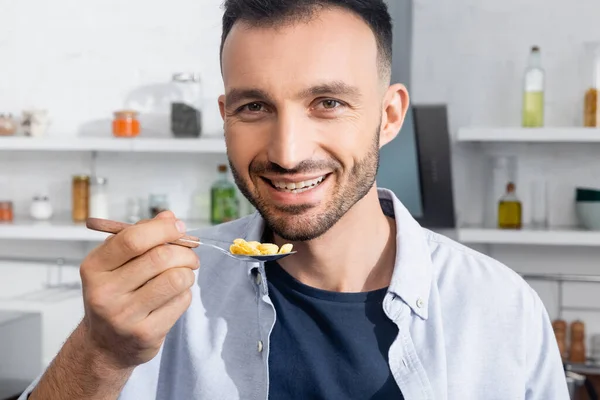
(356, 255)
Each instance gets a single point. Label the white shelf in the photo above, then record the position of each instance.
(62, 230)
(55, 230)
(113, 144)
(532, 135)
(554, 237)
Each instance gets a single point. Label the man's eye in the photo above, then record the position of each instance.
(330, 104)
(252, 107)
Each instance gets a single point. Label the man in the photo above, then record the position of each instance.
(372, 306)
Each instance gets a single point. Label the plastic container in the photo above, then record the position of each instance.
(186, 105)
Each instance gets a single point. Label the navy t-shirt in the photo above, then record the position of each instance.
(328, 345)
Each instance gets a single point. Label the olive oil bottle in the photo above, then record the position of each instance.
(510, 209)
(533, 91)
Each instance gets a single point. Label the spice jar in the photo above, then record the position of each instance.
(186, 114)
(6, 211)
(591, 111)
(81, 197)
(126, 124)
(8, 125)
(99, 198)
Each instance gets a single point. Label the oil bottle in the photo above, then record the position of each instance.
(533, 91)
(510, 209)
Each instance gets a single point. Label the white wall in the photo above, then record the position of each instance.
(471, 54)
(82, 60)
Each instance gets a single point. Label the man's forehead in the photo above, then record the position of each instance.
(335, 38)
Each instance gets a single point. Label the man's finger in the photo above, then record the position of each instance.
(135, 241)
(140, 270)
(161, 290)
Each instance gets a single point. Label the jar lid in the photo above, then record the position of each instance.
(126, 114)
(99, 180)
(81, 177)
(186, 77)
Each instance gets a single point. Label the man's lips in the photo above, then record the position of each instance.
(295, 184)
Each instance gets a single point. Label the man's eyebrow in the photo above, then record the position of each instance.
(336, 88)
(237, 95)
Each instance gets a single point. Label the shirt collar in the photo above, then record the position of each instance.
(411, 279)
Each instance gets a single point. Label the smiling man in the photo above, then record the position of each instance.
(372, 306)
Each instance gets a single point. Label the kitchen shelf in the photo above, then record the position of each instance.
(61, 230)
(55, 230)
(529, 135)
(551, 237)
(113, 144)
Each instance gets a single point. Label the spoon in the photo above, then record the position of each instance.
(109, 226)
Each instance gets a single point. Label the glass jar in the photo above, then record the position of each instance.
(186, 105)
(157, 204)
(591, 111)
(8, 126)
(126, 123)
(80, 197)
(99, 198)
(6, 211)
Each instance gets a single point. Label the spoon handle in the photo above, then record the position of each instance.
(109, 226)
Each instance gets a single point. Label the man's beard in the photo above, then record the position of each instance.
(288, 221)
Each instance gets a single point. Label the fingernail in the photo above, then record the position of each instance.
(180, 226)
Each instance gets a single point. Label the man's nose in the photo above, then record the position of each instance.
(290, 140)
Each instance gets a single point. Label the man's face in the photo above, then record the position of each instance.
(302, 113)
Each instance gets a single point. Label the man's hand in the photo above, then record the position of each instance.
(135, 287)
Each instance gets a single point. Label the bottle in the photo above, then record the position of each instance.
(224, 205)
(533, 93)
(591, 111)
(99, 198)
(560, 332)
(577, 348)
(80, 198)
(509, 209)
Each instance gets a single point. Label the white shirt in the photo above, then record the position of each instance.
(469, 327)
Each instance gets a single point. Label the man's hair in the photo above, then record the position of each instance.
(276, 12)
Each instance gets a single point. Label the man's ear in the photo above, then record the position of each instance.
(222, 106)
(395, 106)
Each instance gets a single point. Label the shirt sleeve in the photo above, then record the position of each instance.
(545, 374)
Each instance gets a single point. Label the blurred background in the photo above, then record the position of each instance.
(109, 109)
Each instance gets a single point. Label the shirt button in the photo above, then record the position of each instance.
(258, 278)
(420, 303)
(260, 346)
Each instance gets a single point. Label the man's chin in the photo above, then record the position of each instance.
(298, 226)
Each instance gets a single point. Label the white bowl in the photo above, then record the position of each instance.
(589, 214)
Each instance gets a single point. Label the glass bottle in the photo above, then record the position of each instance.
(158, 203)
(186, 114)
(591, 111)
(510, 209)
(99, 198)
(533, 91)
(80, 198)
(224, 205)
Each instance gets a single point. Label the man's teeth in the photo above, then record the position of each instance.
(298, 187)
